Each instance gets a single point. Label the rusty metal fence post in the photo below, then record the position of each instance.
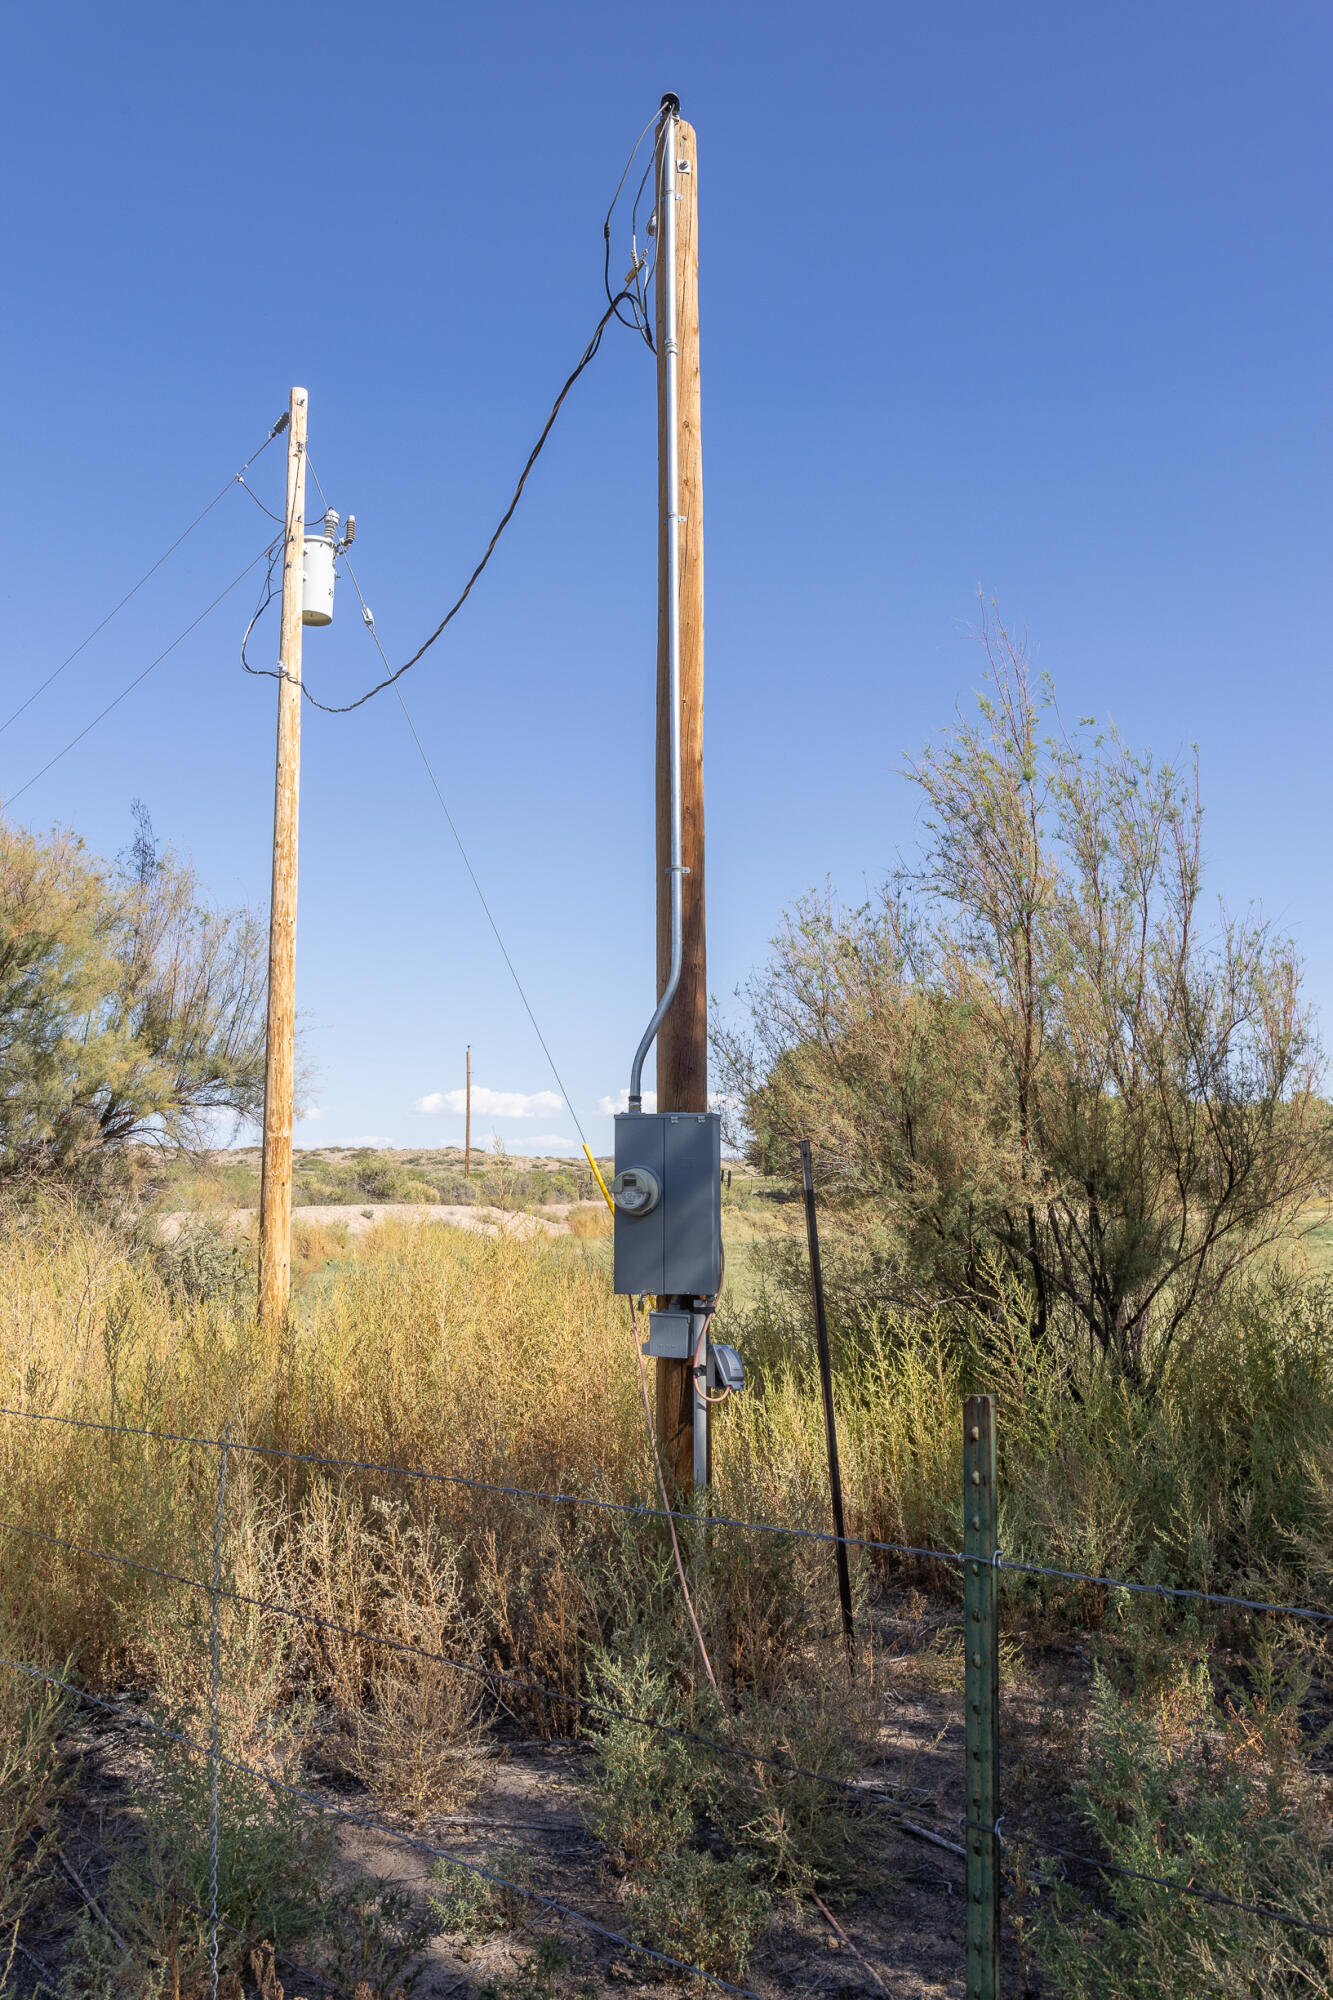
(982, 1696)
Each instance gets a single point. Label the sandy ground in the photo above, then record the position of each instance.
(906, 1928)
(359, 1218)
(903, 1929)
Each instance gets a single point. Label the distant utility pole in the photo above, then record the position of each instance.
(275, 1197)
(467, 1135)
(682, 1042)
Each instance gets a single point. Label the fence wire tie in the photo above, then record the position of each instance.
(974, 1826)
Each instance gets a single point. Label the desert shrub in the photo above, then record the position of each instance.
(1220, 1796)
(549, 1973)
(648, 1795)
(704, 1840)
(390, 1180)
(704, 1908)
(370, 1942)
(588, 1221)
(1028, 1058)
(127, 1010)
(416, 1719)
(33, 1782)
(273, 1874)
(472, 1906)
(417, 1190)
(203, 1261)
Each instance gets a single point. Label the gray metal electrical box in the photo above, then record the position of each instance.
(674, 1245)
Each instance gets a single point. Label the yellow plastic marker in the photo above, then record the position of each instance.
(597, 1176)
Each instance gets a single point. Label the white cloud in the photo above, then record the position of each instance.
(498, 1103)
(550, 1142)
(375, 1140)
(309, 1117)
(718, 1100)
(608, 1106)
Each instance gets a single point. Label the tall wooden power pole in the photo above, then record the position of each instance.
(682, 1042)
(275, 1197)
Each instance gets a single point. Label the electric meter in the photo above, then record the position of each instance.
(668, 1197)
(636, 1191)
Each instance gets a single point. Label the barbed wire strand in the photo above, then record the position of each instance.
(487, 1485)
(390, 1833)
(1186, 1889)
(872, 1543)
(743, 1753)
(236, 478)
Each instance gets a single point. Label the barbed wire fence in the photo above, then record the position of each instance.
(980, 1564)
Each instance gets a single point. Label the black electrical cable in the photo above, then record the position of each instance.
(639, 308)
(266, 595)
(346, 707)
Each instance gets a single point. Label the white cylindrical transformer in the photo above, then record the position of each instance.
(317, 595)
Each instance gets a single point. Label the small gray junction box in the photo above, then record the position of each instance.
(674, 1246)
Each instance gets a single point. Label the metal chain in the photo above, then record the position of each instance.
(214, 1714)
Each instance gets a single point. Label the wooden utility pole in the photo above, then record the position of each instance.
(275, 1198)
(682, 1042)
(467, 1134)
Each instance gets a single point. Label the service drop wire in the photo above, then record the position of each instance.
(346, 707)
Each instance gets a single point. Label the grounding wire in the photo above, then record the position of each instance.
(376, 1826)
(129, 689)
(369, 624)
(742, 1753)
(236, 478)
(998, 1561)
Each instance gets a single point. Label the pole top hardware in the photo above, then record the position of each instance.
(671, 104)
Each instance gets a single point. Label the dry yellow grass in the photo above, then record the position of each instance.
(484, 1359)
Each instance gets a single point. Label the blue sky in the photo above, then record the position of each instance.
(1034, 299)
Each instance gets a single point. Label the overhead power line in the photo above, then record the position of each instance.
(237, 478)
(130, 687)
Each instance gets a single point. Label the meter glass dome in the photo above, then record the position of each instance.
(635, 1191)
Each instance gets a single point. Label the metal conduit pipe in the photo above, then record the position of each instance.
(666, 222)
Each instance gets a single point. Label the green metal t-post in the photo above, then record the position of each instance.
(982, 1695)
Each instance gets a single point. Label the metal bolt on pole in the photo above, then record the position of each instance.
(982, 1696)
